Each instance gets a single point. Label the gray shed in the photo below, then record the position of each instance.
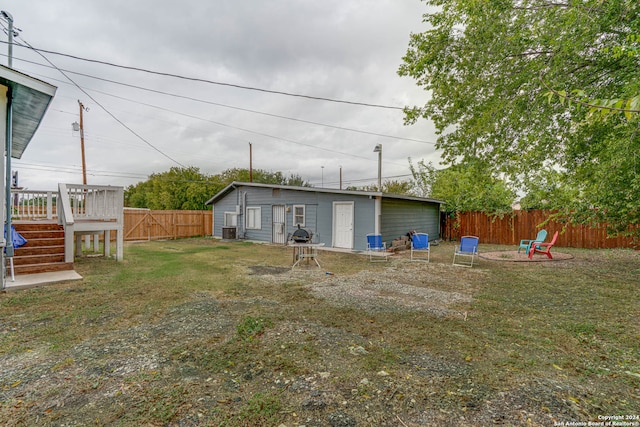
(337, 218)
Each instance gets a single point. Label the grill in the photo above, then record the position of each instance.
(302, 235)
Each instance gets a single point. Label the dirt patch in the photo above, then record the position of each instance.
(376, 344)
(263, 270)
(412, 287)
(514, 256)
(401, 286)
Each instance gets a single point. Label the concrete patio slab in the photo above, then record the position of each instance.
(33, 280)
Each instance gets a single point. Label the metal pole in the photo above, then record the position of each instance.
(380, 169)
(9, 19)
(340, 177)
(378, 150)
(250, 163)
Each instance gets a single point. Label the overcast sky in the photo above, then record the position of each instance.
(340, 49)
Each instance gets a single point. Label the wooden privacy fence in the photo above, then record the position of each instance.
(144, 224)
(510, 229)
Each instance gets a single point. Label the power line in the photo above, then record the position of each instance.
(234, 127)
(213, 82)
(75, 169)
(104, 109)
(189, 98)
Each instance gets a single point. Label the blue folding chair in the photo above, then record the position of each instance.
(468, 248)
(376, 248)
(420, 243)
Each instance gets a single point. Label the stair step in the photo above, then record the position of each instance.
(38, 250)
(42, 268)
(44, 234)
(37, 226)
(48, 241)
(44, 250)
(38, 259)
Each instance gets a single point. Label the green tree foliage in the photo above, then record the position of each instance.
(489, 64)
(178, 188)
(261, 176)
(468, 187)
(391, 186)
(548, 191)
(189, 189)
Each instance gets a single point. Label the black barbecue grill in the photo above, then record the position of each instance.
(302, 235)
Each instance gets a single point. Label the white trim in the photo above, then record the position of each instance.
(253, 218)
(27, 81)
(304, 215)
(233, 217)
(333, 227)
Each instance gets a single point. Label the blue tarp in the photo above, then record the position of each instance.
(18, 239)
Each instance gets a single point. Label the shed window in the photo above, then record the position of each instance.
(254, 215)
(230, 219)
(298, 215)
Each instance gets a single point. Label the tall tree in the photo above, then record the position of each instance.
(177, 188)
(391, 186)
(489, 64)
(466, 187)
(261, 176)
(188, 188)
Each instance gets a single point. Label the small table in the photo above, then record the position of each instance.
(308, 251)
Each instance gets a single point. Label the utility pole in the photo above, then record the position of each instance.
(84, 164)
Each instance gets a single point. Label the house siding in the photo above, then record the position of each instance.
(402, 216)
(397, 216)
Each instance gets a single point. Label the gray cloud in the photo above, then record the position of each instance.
(347, 49)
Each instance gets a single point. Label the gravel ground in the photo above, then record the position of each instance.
(110, 378)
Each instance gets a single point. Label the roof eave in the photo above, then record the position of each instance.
(30, 100)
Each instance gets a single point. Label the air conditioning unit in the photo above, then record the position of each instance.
(229, 233)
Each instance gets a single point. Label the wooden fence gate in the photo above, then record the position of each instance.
(145, 224)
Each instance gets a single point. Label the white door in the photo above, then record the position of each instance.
(279, 225)
(343, 225)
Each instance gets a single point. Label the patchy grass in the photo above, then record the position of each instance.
(201, 332)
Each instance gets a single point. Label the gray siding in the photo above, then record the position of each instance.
(397, 219)
(401, 216)
(228, 204)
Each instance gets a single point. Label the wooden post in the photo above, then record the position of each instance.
(84, 165)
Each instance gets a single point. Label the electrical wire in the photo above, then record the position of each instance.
(189, 98)
(213, 82)
(233, 127)
(105, 109)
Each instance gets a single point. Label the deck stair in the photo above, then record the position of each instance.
(44, 251)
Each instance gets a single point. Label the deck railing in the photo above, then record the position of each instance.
(34, 204)
(91, 202)
(81, 209)
(90, 209)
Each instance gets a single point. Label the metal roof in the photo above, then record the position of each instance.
(30, 99)
(236, 184)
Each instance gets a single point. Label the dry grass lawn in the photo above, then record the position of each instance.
(200, 332)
